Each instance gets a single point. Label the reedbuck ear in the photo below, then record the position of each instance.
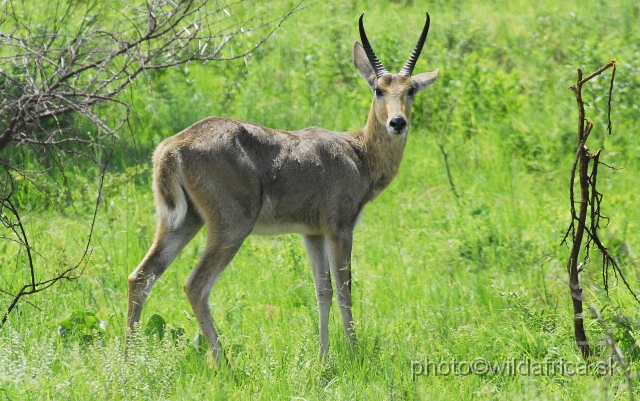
(425, 79)
(362, 64)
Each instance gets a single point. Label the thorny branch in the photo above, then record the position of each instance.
(60, 79)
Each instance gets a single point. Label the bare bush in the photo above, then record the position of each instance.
(63, 65)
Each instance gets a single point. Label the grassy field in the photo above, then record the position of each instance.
(438, 280)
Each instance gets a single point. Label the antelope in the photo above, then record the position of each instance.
(241, 178)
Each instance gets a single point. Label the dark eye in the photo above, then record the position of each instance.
(378, 92)
(411, 92)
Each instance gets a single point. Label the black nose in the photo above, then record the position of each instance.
(398, 123)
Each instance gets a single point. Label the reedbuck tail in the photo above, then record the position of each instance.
(171, 201)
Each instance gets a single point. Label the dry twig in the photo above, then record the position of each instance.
(445, 154)
(589, 206)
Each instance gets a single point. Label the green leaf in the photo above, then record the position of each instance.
(155, 326)
(82, 325)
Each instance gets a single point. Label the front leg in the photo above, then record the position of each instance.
(339, 256)
(316, 249)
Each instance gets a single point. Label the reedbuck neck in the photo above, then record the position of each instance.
(383, 151)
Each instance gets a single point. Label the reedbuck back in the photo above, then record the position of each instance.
(241, 178)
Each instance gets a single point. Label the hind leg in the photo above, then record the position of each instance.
(166, 246)
(222, 246)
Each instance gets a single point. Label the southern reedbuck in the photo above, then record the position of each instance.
(241, 178)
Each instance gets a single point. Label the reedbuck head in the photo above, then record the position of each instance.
(394, 93)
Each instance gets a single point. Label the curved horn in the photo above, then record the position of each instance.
(371, 55)
(407, 70)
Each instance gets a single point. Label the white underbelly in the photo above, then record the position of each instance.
(270, 222)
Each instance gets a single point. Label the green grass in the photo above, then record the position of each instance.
(435, 277)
